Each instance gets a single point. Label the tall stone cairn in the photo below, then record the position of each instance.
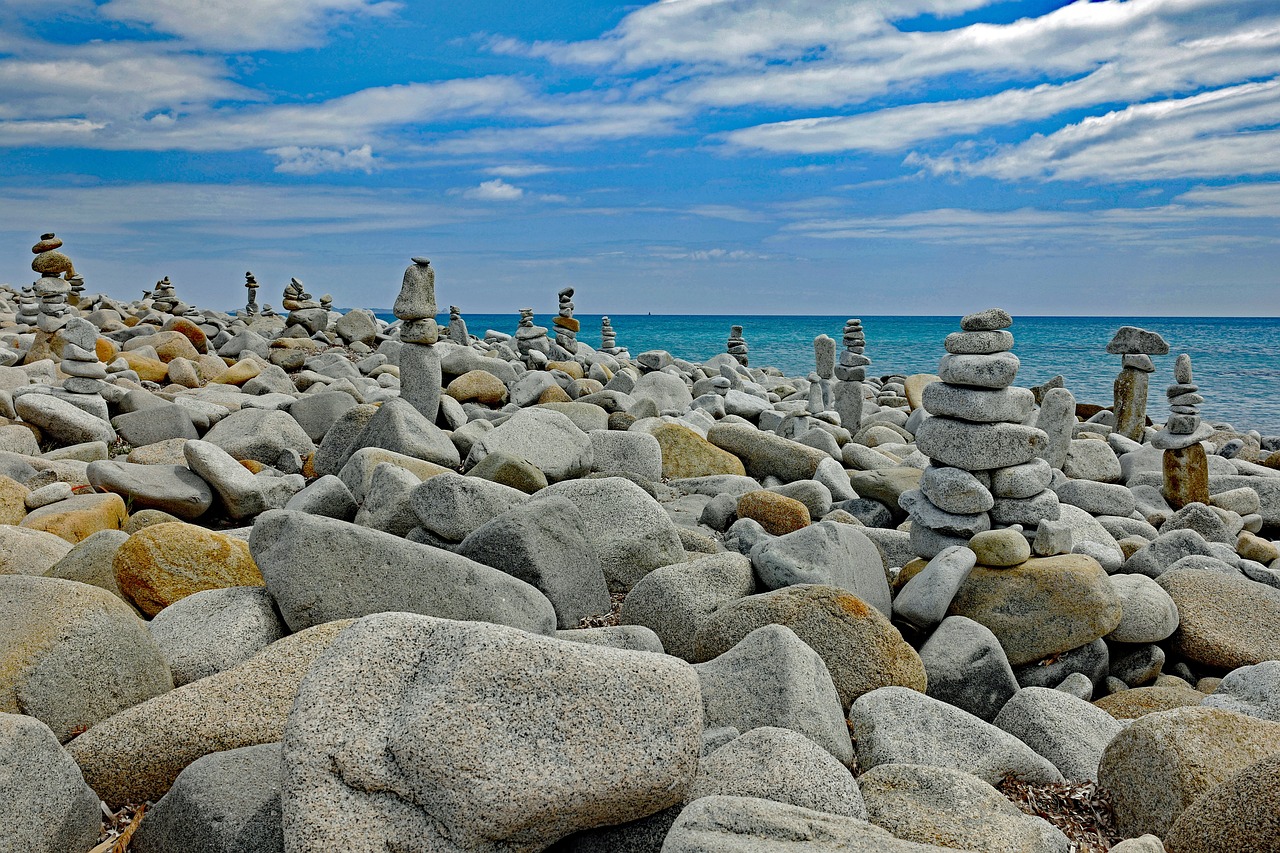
(80, 362)
(531, 339)
(164, 296)
(850, 373)
(251, 285)
(821, 398)
(1130, 389)
(458, 327)
(56, 274)
(736, 346)
(984, 468)
(419, 361)
(566, 327)
(28, 307)
(1186, 465)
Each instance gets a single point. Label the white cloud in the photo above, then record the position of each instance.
(518, 170)
(314, 161)
(246, 25)
(495, 190)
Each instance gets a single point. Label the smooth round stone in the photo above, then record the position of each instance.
(80, 385)
(986, 321)
(1182, 369)
(922, 510)
(999, 549)
(85, 369)
(979, 447)
(978, 343)
(417, 297)
(982, 371)
(1021, 481)
(978, 405)
(955, 490)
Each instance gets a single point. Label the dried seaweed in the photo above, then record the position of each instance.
(1081, 810)
(118, 828)
(606, 620)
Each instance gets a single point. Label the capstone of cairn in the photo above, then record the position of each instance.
(419, 361)
(56, 273)
(164, 297)
(531, 339)
(326, 301)
(736, 346)
(1130, 388)
(251, 285)
(458, 327)
(566, 327)
(985, 470)
(850, 373)
(821, 398)
(1186, 465)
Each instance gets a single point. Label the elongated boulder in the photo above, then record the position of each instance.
(78, 517)
(321, 569)
(429, 734)
(979, 447)
(766, 454)
(174, 489)
(827, 553)
(547, 439)
(687, 454)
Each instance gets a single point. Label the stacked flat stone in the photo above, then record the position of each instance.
(303, 310)
(1130, 389)
(736, 346)
(1186, 465)
(566, 327)
(326, 301)
(458, 327)
(164, 297)
(851, 372)
(419, 361)
(55, 270)
(531, 339)
(251, 284)
(80, 361)
(893, 392)
(984, 469)
(821, 398)
(28, 307)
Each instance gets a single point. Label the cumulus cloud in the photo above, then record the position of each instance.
(314, 161)
(495, 190)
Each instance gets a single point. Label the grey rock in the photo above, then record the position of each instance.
(978, 447)
(358, 324)
(967, 668)
(317, 412)
(174, 489)
(978, 343)
(923, 511)
(1138, 667)
(717, 484)
(149, 426)
(1131, 340)
(667, 392)
(62, 421)
(772, 678)
(420, 379)
(214, 630)
(401, 428)
(545, 438)
(676, 600)
(1090, 459)
(260, 434)
(635, 638)
(1148, 613)
(986, 320)
(955, 490)
(767, 455)
(978, 405)
(452, 506)
(1097, 498)
(629, 530)
(1092, 660)
(781, 765)
(340, 440)
(1022, 481)
(545, 545)
(635, 454)
(827, 553)
(225, 802)
(90, 561)
(1077, 684)
(815, 496)
(558, 737)
(321, 569)
(920, 803)
(981, 371)
(242, 494)
(1203, 520)
(1252, 690)
(45, 805)
(898, 725)
(1070, 732)
(1057, 418)
(923, 600)
(1165, 550)
(327, 496)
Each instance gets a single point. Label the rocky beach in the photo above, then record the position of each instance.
(292, 580)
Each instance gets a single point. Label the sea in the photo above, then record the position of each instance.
(1236, 360)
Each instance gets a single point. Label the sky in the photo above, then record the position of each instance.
(846, 157)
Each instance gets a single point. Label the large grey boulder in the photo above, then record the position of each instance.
(452, 506)
(626, 453)
(1070, 732)
(24, 551)
(917, 802)
(386, 501)
(242, 494)
(897, 725)
(481, 738)
(968, 668)
(72, 654)
(765, 454)
(261, 435)
(174, 489)
(61, 420)
(225, 802)
(215, 629)
(321, 569)
(675, 601)
(45, 806)
(668, 393)
(1252, 690)
(772, 678)
(327, 496)
(782, 765)
(316, 412)
(401, 428)
(91, 561)
(629, 530)
(826, 553)
(1148, 614)
(544, 544)
(546, 438)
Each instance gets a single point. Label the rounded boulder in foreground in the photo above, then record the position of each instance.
(45, 806)
(1225, 621)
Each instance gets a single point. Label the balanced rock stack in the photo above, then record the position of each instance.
(566, 327)
(56, 272)
(893, 392)
(851, 371)
(531, 339)
(80, 361)
(821, 398)
(984, 470)
(608, 337)
(419, 362)
(164, 297)
(1130, 389)
(28, 307)
(736, 346)
(251, 285)
(458, 327)
(1186, 465)
(303, 310)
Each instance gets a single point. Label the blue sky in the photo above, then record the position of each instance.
(685, 156)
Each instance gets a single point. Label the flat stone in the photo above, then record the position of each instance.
(547, 439)
(988, 320)
(979, 371)
(766, 454)
(1022, 481)
(174, 489)
(978, 447)
(1252, 690)
(61, 420)
(1225, 621)
(240, 492)
(79, 516)
(923, 511)
(214, 630)
(260, 434)
(1097, 498)
(1149, 614)
(452, 506)
(924, 600)
(978, 343)
(1131, 340)
(955, 490)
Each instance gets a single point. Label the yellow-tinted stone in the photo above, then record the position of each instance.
(239, 373)
(171, 345)
(554, 394)
(778, 514)
(253, 465)
(687, 454)
(478, 386)
(915, 385)
(167, 452)
(1256, 548)
(1140, 701)
(13, 497)
(164, 563)
(148, 369)
(210, 367)
(107, 349)
(570, 367)
(79, 516)
(190, 331)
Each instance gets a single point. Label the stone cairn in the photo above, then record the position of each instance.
(893, 392)
(458, 327)
(164, 297)
(56, 274)
(984, 471)
(251, 285)
(821, 398)
(566, 327)
(28, 307)
(1130, 389)
(80, 362)
(850, 373)
(303, 309)
(326, 301)
(419, 361)
(1186, 465)
(736, 346)
(531, 339)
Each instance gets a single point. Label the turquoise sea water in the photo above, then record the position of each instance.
(1236, 360)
